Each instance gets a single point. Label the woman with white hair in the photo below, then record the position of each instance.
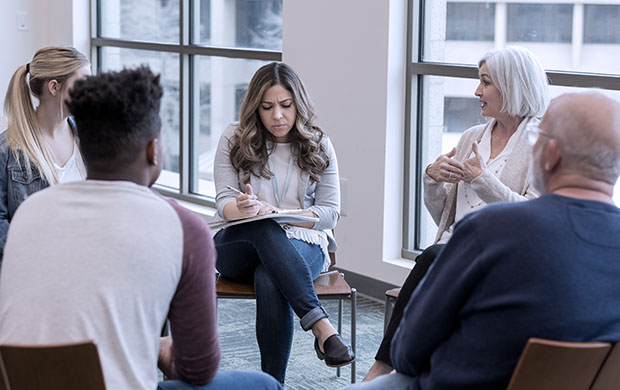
(491, 163)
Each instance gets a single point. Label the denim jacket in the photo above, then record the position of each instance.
(16, 184)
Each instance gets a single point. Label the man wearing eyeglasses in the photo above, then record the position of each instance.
(547, 268)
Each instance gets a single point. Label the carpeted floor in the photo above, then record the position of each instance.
(236, 319)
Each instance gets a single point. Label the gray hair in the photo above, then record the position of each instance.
(521, 80)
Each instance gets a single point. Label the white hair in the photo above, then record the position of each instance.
(521, 80)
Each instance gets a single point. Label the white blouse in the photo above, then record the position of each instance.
(74, 169)
(467, 199)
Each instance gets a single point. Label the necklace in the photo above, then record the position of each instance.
(496, 166)
(274, 181)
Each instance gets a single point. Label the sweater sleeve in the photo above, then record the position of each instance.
(434, 308)
(490, 189)
(224, 173)
(327, 194)
(193, 319)
(435, 195)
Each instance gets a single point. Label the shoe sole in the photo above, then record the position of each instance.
(339, 365)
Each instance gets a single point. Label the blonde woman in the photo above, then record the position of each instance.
(279, 158)
(39, 148)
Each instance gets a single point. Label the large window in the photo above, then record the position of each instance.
(577, 43)
(206, 52)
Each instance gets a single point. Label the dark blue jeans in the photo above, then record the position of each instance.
(228, 380)
(282, 271)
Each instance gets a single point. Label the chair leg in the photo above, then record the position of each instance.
(389, 306)
(353, 327)
(339, 328)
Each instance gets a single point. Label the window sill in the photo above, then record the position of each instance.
(401, 262)
(205, 212)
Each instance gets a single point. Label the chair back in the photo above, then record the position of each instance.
(608, 377)
(51, 367)
(546, 364)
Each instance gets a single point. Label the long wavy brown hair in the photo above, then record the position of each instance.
(249, 150)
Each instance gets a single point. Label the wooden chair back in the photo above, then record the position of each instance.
(546, 364)
(51, 367)
(608, 377)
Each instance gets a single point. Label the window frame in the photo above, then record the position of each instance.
(416, 69)
(188, 84)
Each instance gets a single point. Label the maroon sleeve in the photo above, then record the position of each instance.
(193, 316)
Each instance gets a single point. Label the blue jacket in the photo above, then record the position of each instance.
(16, 184)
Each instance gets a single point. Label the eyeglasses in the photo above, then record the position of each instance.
(533, 133)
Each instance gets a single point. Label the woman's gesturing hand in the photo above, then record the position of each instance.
(248, 204)
(446, 169)
(474, 166)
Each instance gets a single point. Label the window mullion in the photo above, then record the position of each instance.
(185, 171)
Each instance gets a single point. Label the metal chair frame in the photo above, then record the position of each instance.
(246, 291)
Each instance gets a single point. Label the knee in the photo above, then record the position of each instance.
(256, 232)
(264, 285)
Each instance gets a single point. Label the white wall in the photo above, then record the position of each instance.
(351, 56)
(49, 23)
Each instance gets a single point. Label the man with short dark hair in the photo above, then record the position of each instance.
(546, 268)
(108, 259)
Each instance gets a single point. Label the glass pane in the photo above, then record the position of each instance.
(461, 21)
(458, 32)
(449, 108)
(166, 64)
(540, 22)
(221, 87)
(239, 23)
(601, 24)
(140, 20)
(462, 32)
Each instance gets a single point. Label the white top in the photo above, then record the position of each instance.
(467, 199)
(37, 272)
(280, 161)
(74, 169)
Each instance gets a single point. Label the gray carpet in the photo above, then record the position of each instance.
(236, 319)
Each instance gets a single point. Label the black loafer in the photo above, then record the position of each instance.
(337, 353)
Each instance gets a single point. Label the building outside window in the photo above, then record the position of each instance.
(540, 22)
(601, 24)
(206, 52)
(577, 43)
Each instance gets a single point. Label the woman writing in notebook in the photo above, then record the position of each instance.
(491, 163)
(39, 148)
(279, 158)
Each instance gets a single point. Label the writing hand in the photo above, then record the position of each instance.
(248, 204)
(473, 166)
(267, 208)
(445, 169)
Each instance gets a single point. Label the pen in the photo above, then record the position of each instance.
(234, 189)
(239, 192)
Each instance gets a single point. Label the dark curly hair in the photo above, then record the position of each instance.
(117, 114)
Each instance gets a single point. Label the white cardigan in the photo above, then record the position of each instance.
(512, 186)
